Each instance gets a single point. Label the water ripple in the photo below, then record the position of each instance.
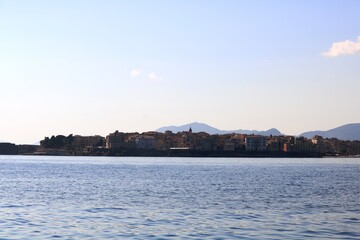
(103, 198)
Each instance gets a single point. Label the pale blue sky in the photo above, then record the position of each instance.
(93, 67)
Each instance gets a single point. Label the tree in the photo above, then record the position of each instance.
(58, 141)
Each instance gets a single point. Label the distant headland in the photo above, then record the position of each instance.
(198, 140)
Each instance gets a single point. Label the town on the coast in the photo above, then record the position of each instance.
(186, 144)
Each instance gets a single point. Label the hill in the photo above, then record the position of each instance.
(346, 132)
(202, 127)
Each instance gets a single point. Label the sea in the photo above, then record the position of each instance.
(44, 197)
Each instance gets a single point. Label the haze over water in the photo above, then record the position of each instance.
(154, 198)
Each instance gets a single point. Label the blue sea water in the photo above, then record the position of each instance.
(178, 198)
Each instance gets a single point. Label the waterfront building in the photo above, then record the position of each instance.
(145, 142)
(273, 145)
(303, 145)
(319, 144)
(115, 140)
(288, 147)
(229, 145)
(255, 143)
(88, 141)
(202, 141)
(239, 141)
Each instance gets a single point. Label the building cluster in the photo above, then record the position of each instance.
(202, 141)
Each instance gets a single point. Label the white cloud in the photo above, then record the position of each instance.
(343, 48)
(152, 76)
(135, 73)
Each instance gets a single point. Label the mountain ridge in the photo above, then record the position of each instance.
(202, 127)
(349, 132)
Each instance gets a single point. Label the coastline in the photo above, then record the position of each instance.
(179, 153)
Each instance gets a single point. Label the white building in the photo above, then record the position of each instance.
(255, 143)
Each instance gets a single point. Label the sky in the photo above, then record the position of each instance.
(93, 67)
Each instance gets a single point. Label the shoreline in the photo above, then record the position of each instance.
(180, 153)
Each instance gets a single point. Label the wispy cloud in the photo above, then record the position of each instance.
(153, 76)
(135, 73)
(346, 47)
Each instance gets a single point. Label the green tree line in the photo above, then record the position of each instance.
(58, 141)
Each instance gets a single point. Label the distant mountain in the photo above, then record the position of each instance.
(346, 132)
(202, 127)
